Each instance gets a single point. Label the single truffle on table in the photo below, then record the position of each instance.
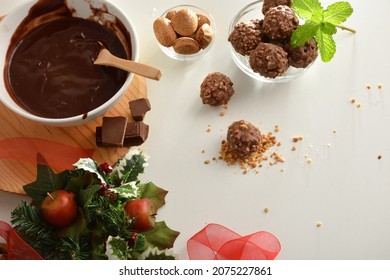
(246, 36)
(280, 22)
(216, 89)
(301, 57)
(243, 138)
(269, 60)
(268, 4)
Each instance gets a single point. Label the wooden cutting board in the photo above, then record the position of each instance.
(14, 174)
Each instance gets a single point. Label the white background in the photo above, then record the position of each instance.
(346, 187)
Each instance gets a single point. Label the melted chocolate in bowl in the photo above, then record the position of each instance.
(50, 71)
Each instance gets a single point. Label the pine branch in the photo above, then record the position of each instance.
(28, 221)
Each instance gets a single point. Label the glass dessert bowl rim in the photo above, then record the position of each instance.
(188, 57)
(242, 61)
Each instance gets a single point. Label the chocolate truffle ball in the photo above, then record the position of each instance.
(269, 60)
(243, 138)
(267, 4)
(280, 22)
(246, 36)
(216, 89)
(302, 56)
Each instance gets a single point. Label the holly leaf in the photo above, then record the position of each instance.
(154, 193)
(90, 165)
(326, 45)
(161, 236)
(304, 33)
(46, 181)
(129, 166)
(337, 13)
(307, 8)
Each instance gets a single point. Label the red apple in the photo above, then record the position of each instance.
(59, 208)
(143, 212)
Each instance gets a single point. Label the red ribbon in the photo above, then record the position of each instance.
(56, 155)
(17, 248)
(216, 242)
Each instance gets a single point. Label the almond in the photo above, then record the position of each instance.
(186, 45)
(185, 22)
(164, 32)
(202, 19)
(204, 35)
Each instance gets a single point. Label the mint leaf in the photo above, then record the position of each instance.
(326, 45)
(337, 12)
(328, 28)
(307, 8)
(304, 33)
(321, 24)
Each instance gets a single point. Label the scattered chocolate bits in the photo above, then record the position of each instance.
(138, 108)
(216, 89)
(256, 156)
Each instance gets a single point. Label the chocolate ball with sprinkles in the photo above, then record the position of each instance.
(216, 89)
(243, 138)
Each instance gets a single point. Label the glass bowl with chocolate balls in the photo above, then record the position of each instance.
(184, 32)
(259, 38)
(48, 51)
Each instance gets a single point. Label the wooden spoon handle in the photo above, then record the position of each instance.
(130, 66)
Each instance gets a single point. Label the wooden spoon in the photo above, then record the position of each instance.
(108, 59)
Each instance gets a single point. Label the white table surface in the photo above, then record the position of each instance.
(345, 187)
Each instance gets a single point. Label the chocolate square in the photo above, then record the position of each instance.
(113, 131)
(138, 108)
(136, 134)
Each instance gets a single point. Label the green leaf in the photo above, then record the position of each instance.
(80, 179)
(326, 45)
(90, 165)
(161, 236)
(119, 248)
(337, 12)
(328, 28)
(307, 8)
(154, 193)
(126, 191)
(304, 33)
(86, 195)
(46, 181)
(130, 166)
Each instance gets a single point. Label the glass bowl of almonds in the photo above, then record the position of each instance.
(185, 32)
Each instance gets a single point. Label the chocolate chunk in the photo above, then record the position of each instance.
(139, 108)
(136, 133)
(113, 131)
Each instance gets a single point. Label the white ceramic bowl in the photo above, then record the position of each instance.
(82, 9)
(189, 57)
(251, 12)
